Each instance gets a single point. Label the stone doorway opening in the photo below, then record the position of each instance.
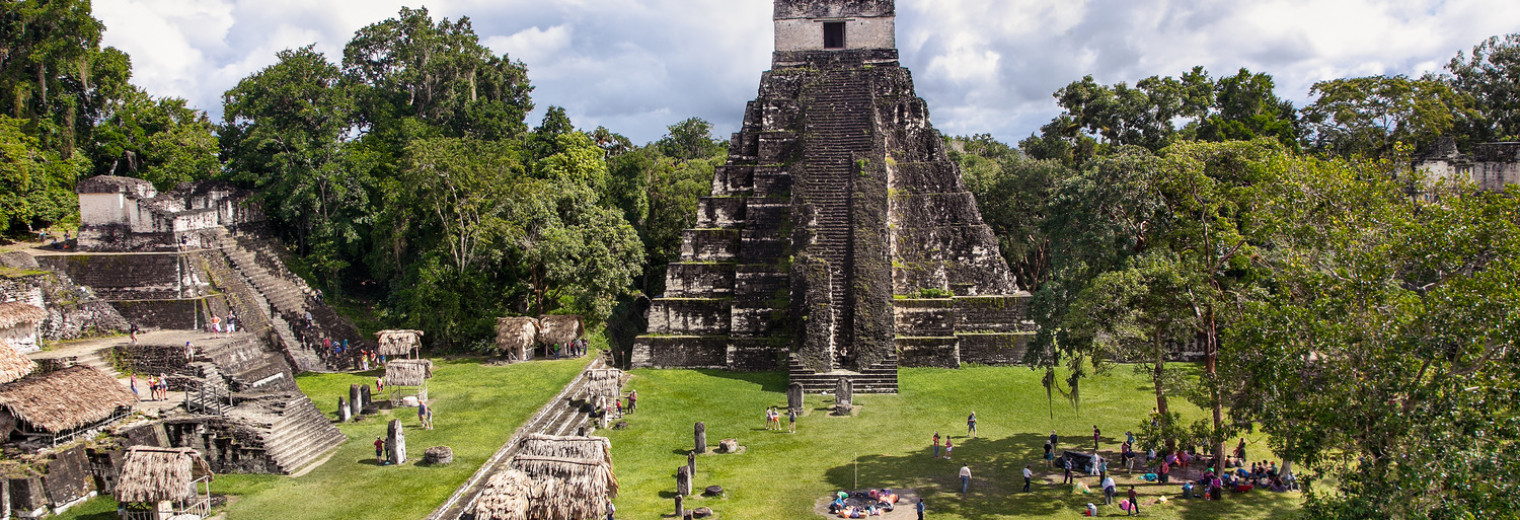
(833, 35)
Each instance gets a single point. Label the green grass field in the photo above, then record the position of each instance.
(477, 407)
(887, 444)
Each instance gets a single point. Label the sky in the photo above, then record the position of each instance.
(984, 66)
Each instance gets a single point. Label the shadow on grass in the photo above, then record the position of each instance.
(768, 381)
(995, 465)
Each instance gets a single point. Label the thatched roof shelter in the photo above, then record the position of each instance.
(604, 383)
(516, 335)
(17, 313)
(560, 329)
(398, 342)
(64, 400)
(13, 365)
(153, 475)
(552, 478)
(408, 372)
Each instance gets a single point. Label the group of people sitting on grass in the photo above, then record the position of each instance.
(862, 504)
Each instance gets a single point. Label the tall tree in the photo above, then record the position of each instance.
(1370, 116)
(1491, 75)
(161, 140)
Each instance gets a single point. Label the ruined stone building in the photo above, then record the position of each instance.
(175, 260)
(839, 240)
(1491, 166)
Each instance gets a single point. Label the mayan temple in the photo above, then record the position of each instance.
(839, 240)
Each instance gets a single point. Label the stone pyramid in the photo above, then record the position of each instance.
(839, 240)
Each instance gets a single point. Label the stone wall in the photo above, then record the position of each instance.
(73, 312)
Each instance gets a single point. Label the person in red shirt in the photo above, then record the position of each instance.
(379, 450)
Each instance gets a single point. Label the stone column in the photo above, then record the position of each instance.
(794, 397)
(680, 509)
(691, 464)
(683, 482)
(345, 413)
(356, 399)
(844, 397)
(701, 435)
(367, 400)
(396, 440)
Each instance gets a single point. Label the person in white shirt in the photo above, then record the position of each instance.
(1027, 475)
(1109, 490)
(965, 478)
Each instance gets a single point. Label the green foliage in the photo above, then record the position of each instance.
(1014, 195)
(36, 188)
(934, 293)
(1370, 116)
(1491, 76)
(690, 139)
(162, 141)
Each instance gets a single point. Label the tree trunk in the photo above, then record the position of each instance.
(1211, 369)
(1158, 378)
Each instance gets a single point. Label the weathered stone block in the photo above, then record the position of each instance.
(994, 348)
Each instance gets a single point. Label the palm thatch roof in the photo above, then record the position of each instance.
(17, 313)
(552, 478)
(398, 342)
(604, 383)
(154, 475)
(516, 334)
(64, 400)
(408, 372)
(560, 329)
(13, 365)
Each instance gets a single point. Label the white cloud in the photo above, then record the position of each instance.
(986, 66)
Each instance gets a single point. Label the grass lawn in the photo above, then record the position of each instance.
(477, 407)
(781, 476)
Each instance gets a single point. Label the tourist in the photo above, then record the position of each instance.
(1028, 475)
(633, 400)
(1109, 490)
(216, 326)
(1134, 502)
(1050, 453)
(965, 477)
(949, 445)
(133, 333)
(422, 409)
(611, 510)
(619, 403)
(791, 417)
(379, 451)
(133, 383)
(1066, 467)
(1165, 472)
(768, 419)
(971, 425)
(1096, 435)
(189, 352)
(320, 300)
(936, 445)
(429, 418)
(163, 383)
(379, 385)
(1129, 437)
(1240, 451)
(1054, 440)
(920, 508)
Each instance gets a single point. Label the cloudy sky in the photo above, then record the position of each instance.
(985, 66)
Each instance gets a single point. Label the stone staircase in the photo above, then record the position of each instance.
(211, 395)
(293, 432)
(838, 132)
(93, 359)
(880, 378)
(564, 415)
(274, 303)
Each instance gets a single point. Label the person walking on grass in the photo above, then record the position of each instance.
(949, 445)
(379, 450)
(936, 445)
(1027, 476)
(965, 478)
(971, 424)
(1109, 490)
(1134, 502)
(633, 401)
(791, 417)
(920, 508)
(1066, 466)
(1096, 434)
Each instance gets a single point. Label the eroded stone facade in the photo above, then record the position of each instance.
(839, 237)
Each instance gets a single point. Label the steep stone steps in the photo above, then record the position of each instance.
(293, 432)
